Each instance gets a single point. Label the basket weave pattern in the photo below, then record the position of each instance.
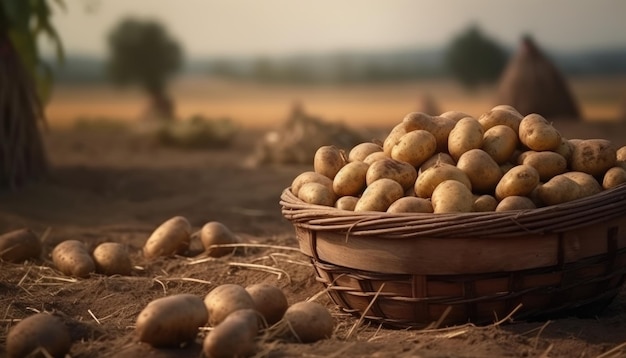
(467, 267)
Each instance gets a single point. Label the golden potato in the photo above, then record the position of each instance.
(350, 180)
(614, 177)
(309, 321)
(588, 184)
(411, 204)
(620, 154)
(454, 115)
(234, 337)
(346, 203)
(375, 157)
(269, 300)
(225, 299)
(467, 134)
(484, 203)
(171, 237)
(547, 163)
(559, 189)
(414, 147)
(72, 258)
(317, 194)
(515, 203)
(214, 233)
(379, 195)
(38, 332)
(482, 171)
(418, 121)
(452, 196)
(501, 115)
(402, 172)
(518, 181)
(593, 156)
(393, 137)
(565, 149)
(537, 134)
(436, 158)
(360, 151)
(441, 131)
(328, 160)
(431, 177)
(19, 245)
(500, 142)
(112, 258)
(310, 177)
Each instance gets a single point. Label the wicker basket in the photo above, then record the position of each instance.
(468, 267)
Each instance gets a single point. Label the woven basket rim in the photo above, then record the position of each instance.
(600, 207)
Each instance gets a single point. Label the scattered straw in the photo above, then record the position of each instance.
(46, 234)
(187, 279)
(613, 351)
(94, 317)
(546, 353)
(539, 333)
(273, 270)
(360, 320)
(64, 279)
(162, 285)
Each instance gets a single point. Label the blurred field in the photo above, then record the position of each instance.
(259, 106)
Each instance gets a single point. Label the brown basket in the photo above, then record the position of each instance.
(467, 267)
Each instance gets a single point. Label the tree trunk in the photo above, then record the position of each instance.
(22, 156)
(161, 105)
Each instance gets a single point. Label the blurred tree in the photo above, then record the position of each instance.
(144, 54)
(25, 82)
(474, 58)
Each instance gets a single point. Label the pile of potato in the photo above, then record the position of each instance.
(455, 163)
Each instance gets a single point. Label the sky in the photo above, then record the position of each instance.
(222, 28)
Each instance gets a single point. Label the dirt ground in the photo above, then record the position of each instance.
(114, 186)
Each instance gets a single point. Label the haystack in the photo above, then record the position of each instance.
(297, 140)
(533, 84)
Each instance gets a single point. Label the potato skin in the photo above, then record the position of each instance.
(270, 301)
(467, 134)
(310, 321)
(587, 183)
(403, 173)
(172, 320)
(392, 138)
(346, 203)
(559, 189)
(376, 156)
(39, 330)
(350, 180)
(518, 181)
(452, 196)
(515, 203)
(436, 158)
(19, 245)
(233, 337)
(614, 177)
(414, 147)
(485, 203)
(360, 151)
(547, 163)
(216, 233)
(328, 160)
(501, 115)
(72, 258)
(226, 299)
(500, 142)
(171, 237)
(379, 195)
(111, 258)
(482, 171)
(310, 177)
(431, 177)
(411, 204)
(537, 134)
(593, 156)
(317, 194)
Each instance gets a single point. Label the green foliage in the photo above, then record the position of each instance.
(473, 58)
(143, 53)
(24, 21)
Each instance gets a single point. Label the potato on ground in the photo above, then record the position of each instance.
(226, 299)
(215, 233)
(484, 203)
(346, 203)
(500, 142)
(519, 180)
(515, 203)
(467, 134)
(309, 321)
(411, 204)
(350, 180)
(414, 147)
(500, 115)
(72, 258)
(328, 160)
(38, 333)
(171, 237)
(317, 194)
(360, 151)
(614, 177)
(452, 196)
(482, 171)
(548, 164)
(19, 245)
(593, 156)
(537, 134)
(233, 337)
(269, 300)
(171, 321)
(379, 195)
(560, 189)
(431, 177)
(310, 177)
(402, 172)
(111, 258)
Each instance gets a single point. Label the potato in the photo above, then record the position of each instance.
(360, 151)
(310, 177)
(19, 245)
(226, 299)
(111, 258)
(484, 203)
(593, 156)
(565, 149)
(431, 177)
(441, 130)
(234, 337)
(482, 171)
(171, 237)
(402, 172)
(505, 167)
(270, 301)
(620, 154)
(328, 160)
(72, 258)
(614, 177)
(418, 121)
(346, 203)
(500, 142)
(171, 321)
(537, 134)
(414, 147)
(454, 115)
(393, 137)
(515, 203)
(559, 189)
(437, 158)
(309, 321)
(379, 195)
(588, 184)
(518, 181)
(411, 204)
(467, 134)
(375, 157)
(501, 115)
(350, 180)
(41, 332)
(317, 194)
(452, 196)
(548, 164)
(215, 233)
